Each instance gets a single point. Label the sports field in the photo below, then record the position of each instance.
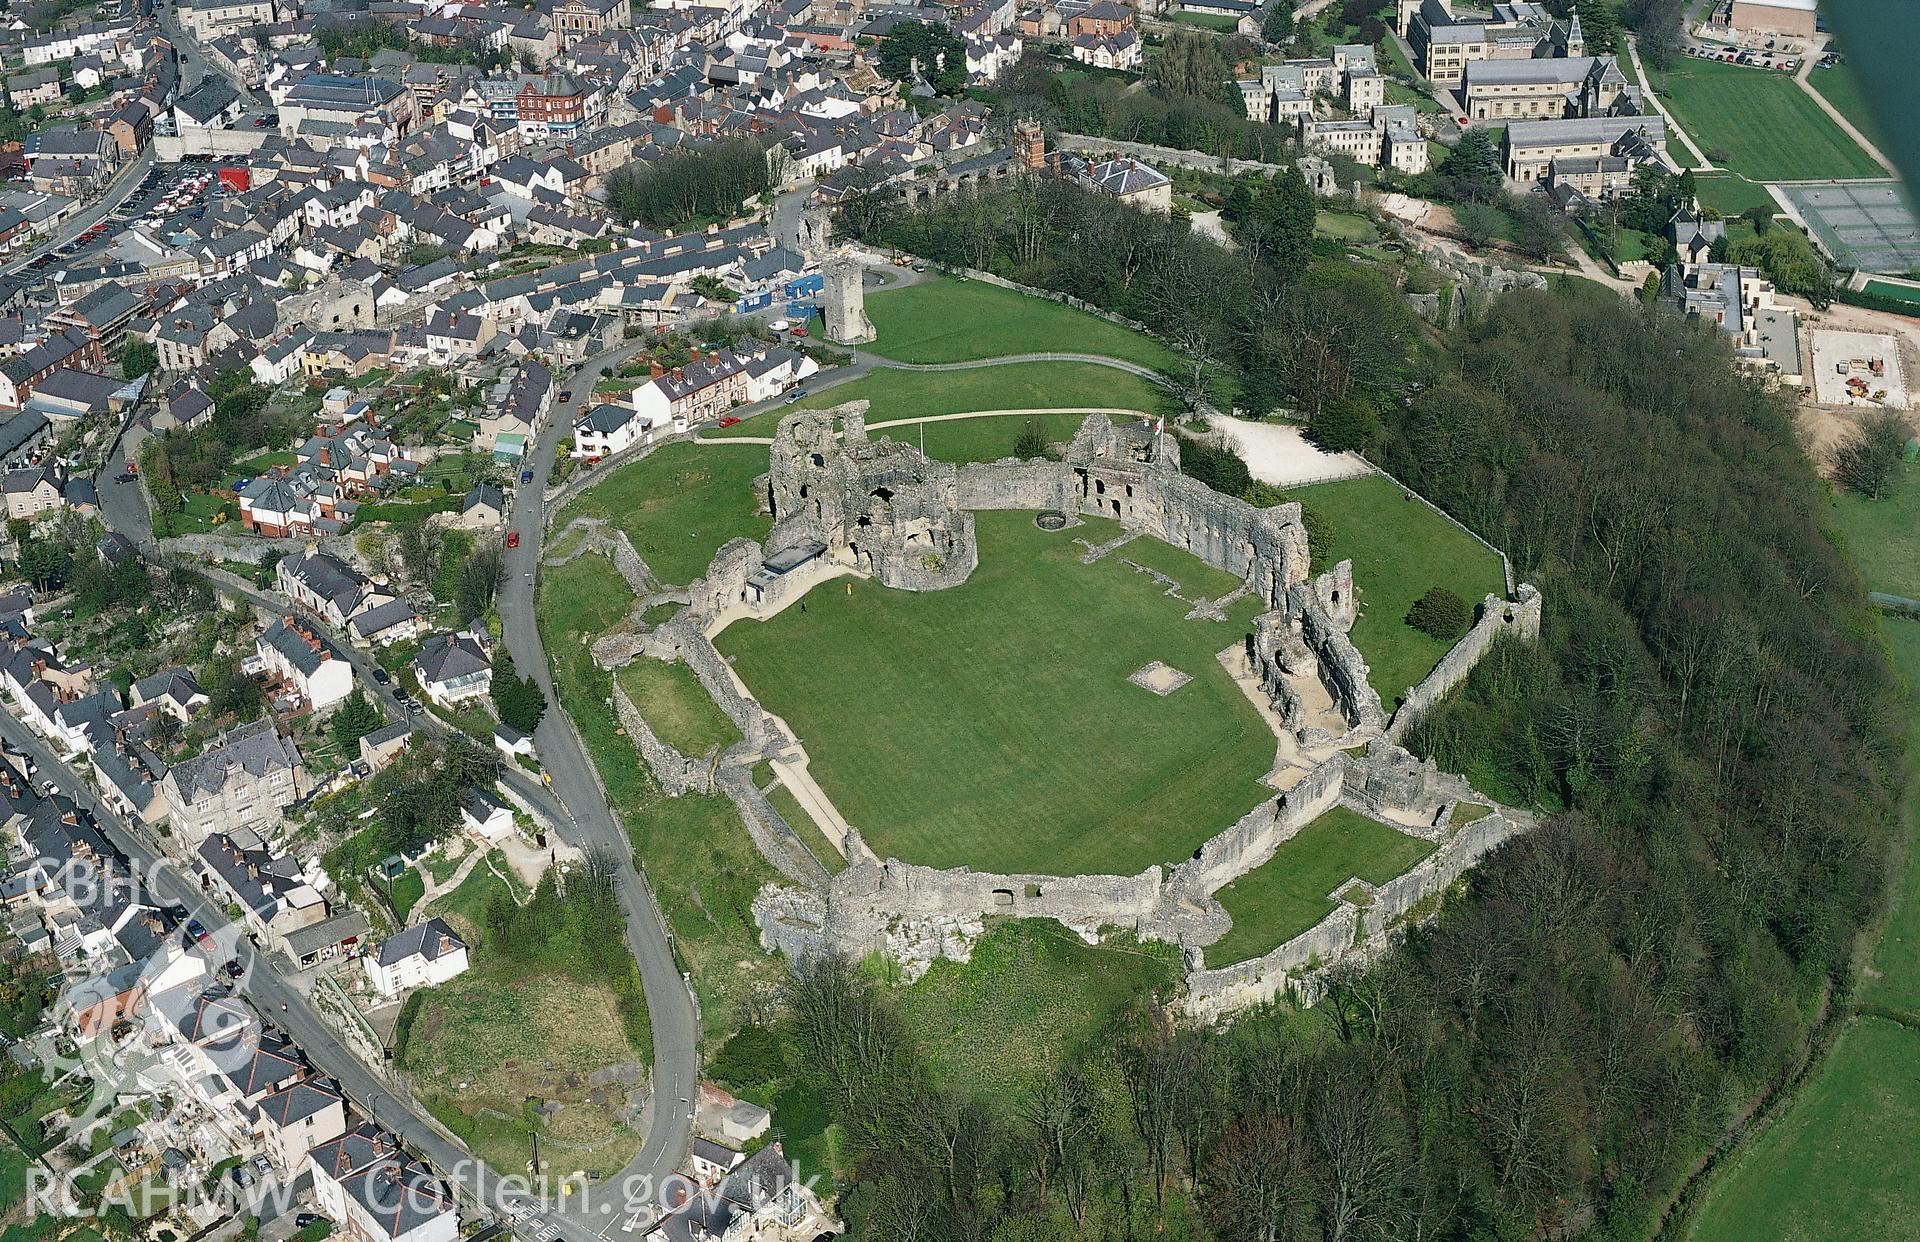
(894, 395)
(1730, 195)
(994, 725)
(1289, 893)
(1400, 548)
(955, 320)
(1841, 88)
(1768, 128)
(679, 503)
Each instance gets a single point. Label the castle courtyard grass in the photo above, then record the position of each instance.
(993, 725)
(1289, 893)
(953, 320)
(676, 706)
(1400, 548)
(679, 504)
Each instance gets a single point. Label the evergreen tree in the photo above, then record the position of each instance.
(355, 718)
(1472, 169)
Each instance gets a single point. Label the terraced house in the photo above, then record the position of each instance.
(244, 780)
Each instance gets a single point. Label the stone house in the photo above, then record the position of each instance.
(244, 780)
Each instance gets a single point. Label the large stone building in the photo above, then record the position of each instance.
(1287, 90)
(1389, 137)
(1506, 90)
(1444, 42)
(244, 780)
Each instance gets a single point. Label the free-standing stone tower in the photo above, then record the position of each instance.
(847, 320)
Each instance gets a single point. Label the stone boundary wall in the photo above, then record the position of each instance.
(1300, 963)
(1519, 617)
(1199, 160)
(585, 479)
(895, 889)
(690, 642)
(253, 549)
(1253, 840)
(1045, 486)
(676, 773)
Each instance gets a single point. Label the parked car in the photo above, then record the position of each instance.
(566, 396)
(306, 1218)
(197, 932)
(779, 325)
(233, 969)
(730, 420)
(513, 539)
(380, 675)
(526, 476)
(800, 331)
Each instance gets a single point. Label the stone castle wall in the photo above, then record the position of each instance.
(1252, 841)
(676, 773)
(1046, 486)
(1519, 617)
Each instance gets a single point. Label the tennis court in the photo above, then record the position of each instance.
(1863, 224)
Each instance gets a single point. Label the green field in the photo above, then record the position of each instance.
(993, 725)
(894, 395)
(1033, 996)
(705, 893)
(1887, 289)
(953, 320)
(1883, 535)
(1219, 22)
(676, 706)
(1730, 195)
(405, 892)
(1285, 896)
(1345, 226)
(1399, 548)
(679, 503)
(1767, 126)
(1841, 88)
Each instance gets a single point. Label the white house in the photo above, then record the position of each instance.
(363, 1180)
(302, 656)
(608, 429)
(424, 955)
(453, 668)
(484, 815)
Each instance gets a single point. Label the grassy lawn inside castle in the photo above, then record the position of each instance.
(1400, 548)
(1283, 897)
(993, 725)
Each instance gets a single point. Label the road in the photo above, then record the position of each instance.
(1803, 80)
(670, 1008)
(118, 191)
(283, 1003)
(619, 1205)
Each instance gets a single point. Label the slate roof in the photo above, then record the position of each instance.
(431, 940)
(256, 749)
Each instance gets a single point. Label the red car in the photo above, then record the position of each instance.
(513, 539)
(729, 421)
(800, 331)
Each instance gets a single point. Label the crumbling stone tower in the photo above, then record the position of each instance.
(876, 504)
(847, 320)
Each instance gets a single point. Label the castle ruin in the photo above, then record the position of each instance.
(843, 503)
(845, 292)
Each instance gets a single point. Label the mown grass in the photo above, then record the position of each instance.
(1769, 129)
(993, 725)
(802, 823)
(679, 504)
(1283, 897)
(1400, 548)
(953, 320)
